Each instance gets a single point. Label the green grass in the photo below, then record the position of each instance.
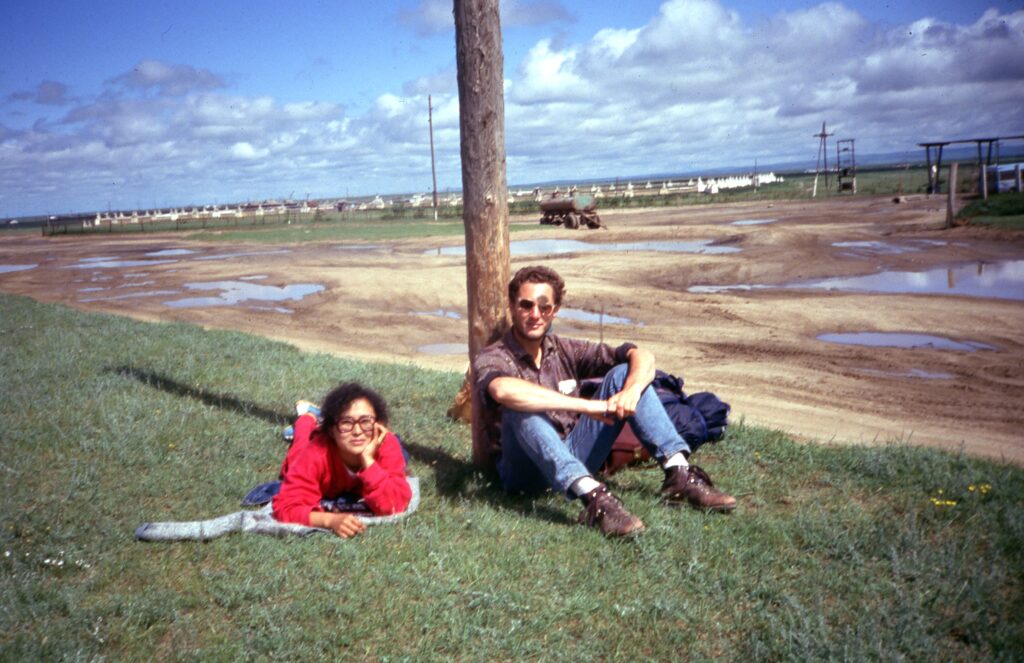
(834, 552)
(1004, 210)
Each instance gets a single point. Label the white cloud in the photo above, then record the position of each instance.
(245, 150)
(168, 79)
(695, 88)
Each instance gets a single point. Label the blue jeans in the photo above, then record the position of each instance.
(534, 457)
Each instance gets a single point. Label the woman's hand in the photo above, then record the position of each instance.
(345, 525)
(369, 453)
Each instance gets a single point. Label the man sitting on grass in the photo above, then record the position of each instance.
(527, 386)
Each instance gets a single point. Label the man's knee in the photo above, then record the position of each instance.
(616, 377)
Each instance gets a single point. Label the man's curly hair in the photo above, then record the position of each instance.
(536, 274)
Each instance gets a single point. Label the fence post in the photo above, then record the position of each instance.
(1016, 177)
(984, 182)
(951, 200)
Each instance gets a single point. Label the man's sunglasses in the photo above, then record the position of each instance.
(527, 305)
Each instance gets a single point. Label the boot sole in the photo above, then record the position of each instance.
(716, 509)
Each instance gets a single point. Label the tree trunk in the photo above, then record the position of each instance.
(480, 61)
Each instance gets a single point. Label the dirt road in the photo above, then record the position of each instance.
(757, 346)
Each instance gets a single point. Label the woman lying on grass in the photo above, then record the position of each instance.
(351, 451)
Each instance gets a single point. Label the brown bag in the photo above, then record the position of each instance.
(626, 452)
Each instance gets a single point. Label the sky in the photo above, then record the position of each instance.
(133, 105)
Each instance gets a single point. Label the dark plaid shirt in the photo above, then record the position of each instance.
(565, 363)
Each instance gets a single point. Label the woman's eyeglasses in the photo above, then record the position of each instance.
(348, 425)
(527, 305)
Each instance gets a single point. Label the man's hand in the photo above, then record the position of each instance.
(623, 404)
(599, 410)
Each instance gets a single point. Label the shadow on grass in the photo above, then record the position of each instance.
(226, 402)
(457, 478)
(453, 477)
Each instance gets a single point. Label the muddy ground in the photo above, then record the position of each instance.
(758, 349)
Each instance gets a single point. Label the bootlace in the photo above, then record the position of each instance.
(702, 475)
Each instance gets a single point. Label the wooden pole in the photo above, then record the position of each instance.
(480, 72)
(433, 168)
(982, 179)
(928, 165)
(951, 198)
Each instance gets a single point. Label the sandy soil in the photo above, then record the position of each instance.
(401, 301)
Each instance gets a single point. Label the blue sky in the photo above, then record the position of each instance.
(150, 104)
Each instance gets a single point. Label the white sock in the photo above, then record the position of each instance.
(584, 485)
(678, 459)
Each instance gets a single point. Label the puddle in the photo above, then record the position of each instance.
(106, 263)
(275, 309)
(915, 373)
(236, 292)
(358, 247)
(445, 349)
(98, 259)
(135, 275)
(878, 248)
(1004, 280)
(555, 246)
(242, 254)
(6, 269)
(903, 340)
(1001, 280)
(440, 313)
(170, 252)
(96, 289)
(131, 295)
(753, 222)
(136, 284)
(589, 316)
(257, 277)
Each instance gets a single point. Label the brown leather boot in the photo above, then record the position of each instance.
(692, 485)
(605, 512)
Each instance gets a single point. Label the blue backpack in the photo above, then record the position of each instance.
(699, 418)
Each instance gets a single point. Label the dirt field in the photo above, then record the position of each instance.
(757, 348)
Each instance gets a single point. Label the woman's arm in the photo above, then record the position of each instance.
(344, 525)
(385, 488)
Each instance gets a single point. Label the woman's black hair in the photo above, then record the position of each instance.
(342, 396)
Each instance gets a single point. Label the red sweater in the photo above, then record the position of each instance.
(313, 470)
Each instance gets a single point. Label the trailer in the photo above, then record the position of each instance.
(570, 211)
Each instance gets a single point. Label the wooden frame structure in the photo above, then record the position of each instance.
(933, 173)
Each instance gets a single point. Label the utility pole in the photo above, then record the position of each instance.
(822, 154)
(480, 67)
(433, 168)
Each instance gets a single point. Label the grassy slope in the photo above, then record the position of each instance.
(1004, 210)
(107, 422)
